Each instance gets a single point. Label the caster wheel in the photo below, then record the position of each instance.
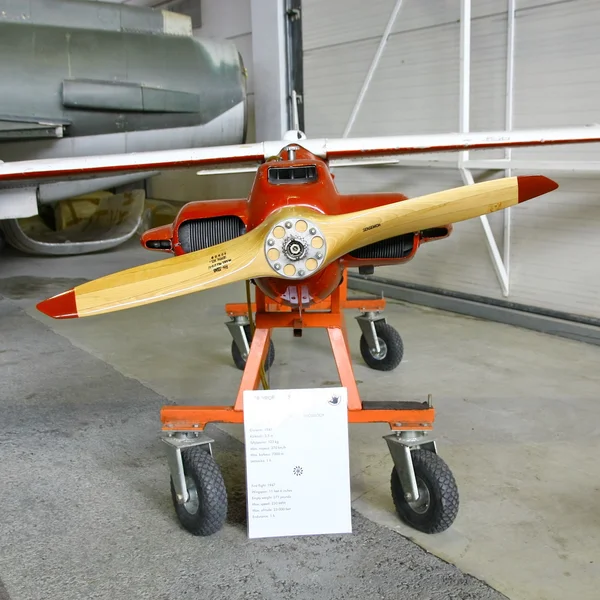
(205, 511)
(391, 348)
(437, 505)
(240, 361)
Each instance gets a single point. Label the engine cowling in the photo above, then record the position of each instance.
(199, 225)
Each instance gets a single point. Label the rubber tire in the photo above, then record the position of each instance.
(199, 464)
(240, 362)
(395, 348)
(443, 493)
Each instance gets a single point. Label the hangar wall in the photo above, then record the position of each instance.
(555, 247)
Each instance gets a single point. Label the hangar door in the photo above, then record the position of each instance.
(393, 66)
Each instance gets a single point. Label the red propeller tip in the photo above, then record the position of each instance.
(62, 306)
(531, 186)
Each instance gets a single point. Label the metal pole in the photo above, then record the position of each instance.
(294, 113)
(374, 63)
(269, 68)
(465, 72)
(510, 65)
(464, 118)
(491, 242)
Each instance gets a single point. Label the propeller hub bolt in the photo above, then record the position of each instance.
(294, 248)
(271, 242)
(277, 266)
(312, 231)
(288, 225)
(301, 273)
(319, 255)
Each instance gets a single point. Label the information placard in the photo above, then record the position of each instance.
(297, 462)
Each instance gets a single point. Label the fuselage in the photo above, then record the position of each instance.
(284, 181)
(305, 181)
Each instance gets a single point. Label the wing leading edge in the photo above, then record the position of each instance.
(247, 157)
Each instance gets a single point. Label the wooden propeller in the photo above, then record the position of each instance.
(246, 257)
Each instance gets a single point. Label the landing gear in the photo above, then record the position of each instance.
(423, 488)
(380, 344)
(197, 487)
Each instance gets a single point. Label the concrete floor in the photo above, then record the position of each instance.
(517, 421)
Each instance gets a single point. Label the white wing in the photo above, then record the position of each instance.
(247, 157)
(357, 150)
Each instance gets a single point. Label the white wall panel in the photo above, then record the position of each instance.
(330, 22)
(414, 88)
(331, 84)
(488, 73)
(556, 248)
(333, 22)
(225, 18)
(557, 56)
(555, 239)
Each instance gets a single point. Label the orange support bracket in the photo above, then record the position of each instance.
(400, 415)
(236, 309)
(251, 376)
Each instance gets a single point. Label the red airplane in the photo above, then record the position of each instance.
(294, 237)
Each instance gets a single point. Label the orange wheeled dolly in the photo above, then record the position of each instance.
(423, 489)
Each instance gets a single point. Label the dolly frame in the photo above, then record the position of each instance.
(409, 421)
(370, 309)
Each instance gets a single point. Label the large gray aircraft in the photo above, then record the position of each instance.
(82, 78)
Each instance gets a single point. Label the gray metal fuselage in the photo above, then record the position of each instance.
(63, 81)
(86, 78)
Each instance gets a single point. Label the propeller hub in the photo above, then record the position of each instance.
(295, 248)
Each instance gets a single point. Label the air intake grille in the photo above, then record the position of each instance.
(293, 174)
(203, 233)
(396, 247)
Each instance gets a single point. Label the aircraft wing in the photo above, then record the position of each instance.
(247, 157)
(353, 151)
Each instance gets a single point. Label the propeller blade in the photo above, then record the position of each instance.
(245, 257)
(350, 231)
(239, 259)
